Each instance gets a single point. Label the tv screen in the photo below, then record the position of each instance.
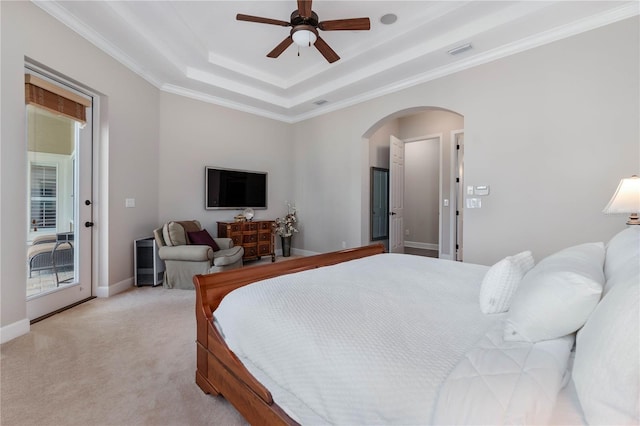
(235, 189)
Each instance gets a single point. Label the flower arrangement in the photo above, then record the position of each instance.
(286, 226)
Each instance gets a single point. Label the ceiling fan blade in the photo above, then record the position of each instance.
(280, 48)
(345, 24)
(261, 20)
(326, 51)
(304, 8)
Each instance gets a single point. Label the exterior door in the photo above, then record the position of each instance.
(59, 189)
(396, 195)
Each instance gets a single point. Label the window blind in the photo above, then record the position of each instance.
(44, 187)
(55, 99)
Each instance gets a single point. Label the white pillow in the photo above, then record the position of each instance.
(606, 369)
(623, 252)
(501, 280)
(557, 295)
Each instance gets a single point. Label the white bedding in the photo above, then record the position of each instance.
(369, 341)
(503, 382)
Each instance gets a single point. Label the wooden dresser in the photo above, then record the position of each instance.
(256, 237)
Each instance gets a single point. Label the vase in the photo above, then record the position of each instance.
(286, 246)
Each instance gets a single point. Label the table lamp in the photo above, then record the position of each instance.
(626, 199)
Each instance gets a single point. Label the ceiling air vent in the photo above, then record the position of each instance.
(320, 102)
(460, 49)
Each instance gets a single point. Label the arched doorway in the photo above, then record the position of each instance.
(413, 126)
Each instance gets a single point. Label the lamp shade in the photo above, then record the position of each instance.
(626, 199)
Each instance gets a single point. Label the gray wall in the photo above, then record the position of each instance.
(195, 134)
(541, 127)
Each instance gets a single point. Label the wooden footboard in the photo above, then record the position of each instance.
(219, 372)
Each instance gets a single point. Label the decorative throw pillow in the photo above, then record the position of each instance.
(203, 238)
(556, 297)
(190, 226)
(501, 281)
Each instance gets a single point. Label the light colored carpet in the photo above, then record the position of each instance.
(125, 360)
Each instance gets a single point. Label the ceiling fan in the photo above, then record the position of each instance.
(304, 25)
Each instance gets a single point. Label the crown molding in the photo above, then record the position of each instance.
(555, 34)
(89, 34)
(238, 106)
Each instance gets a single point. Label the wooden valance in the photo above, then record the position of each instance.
(55, 99)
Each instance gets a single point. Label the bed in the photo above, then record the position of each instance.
(366, 337)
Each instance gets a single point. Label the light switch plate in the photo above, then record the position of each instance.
(470, 190)
(474, 203)
(130, 202)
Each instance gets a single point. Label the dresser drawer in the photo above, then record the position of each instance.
(249, 226)
(264, 249)
(250, 251)
(263, 236)
(249, 238)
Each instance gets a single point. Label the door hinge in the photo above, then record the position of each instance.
(457, 247)
(458, 146)
(457, 213)
(457, 180)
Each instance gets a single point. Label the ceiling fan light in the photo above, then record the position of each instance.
(304, 38)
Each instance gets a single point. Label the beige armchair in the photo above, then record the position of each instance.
(185, 258)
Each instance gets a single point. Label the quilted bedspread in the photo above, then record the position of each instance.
(505, 383)
(371, 341)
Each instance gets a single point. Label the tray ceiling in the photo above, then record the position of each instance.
(198, 48)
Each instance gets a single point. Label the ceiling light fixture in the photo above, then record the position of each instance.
(304, 35)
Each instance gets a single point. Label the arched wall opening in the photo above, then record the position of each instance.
(419, 126)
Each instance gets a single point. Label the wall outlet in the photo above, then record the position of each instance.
(344, 244)
(406, 232)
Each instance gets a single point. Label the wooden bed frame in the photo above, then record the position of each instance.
(219, 371)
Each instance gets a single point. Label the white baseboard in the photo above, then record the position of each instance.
(424, 246)
(111, 290)
(16, 329)
(297, 252)
(300, 252)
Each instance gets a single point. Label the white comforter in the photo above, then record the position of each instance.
(370, 341)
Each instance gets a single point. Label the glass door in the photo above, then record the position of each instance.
(59, 181)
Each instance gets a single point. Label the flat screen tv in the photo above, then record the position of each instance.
(234, 189)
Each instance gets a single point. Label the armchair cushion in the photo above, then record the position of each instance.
(228, 256)
(186, 253)
(202, 237)
(175, 233)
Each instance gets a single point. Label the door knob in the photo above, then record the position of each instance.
(88, 224)
(87, 202)
(392, 213)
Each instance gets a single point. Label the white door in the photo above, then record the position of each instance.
(459, 193)
(59, 238)
(396, 195)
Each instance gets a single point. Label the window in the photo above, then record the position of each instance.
(43, 196)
